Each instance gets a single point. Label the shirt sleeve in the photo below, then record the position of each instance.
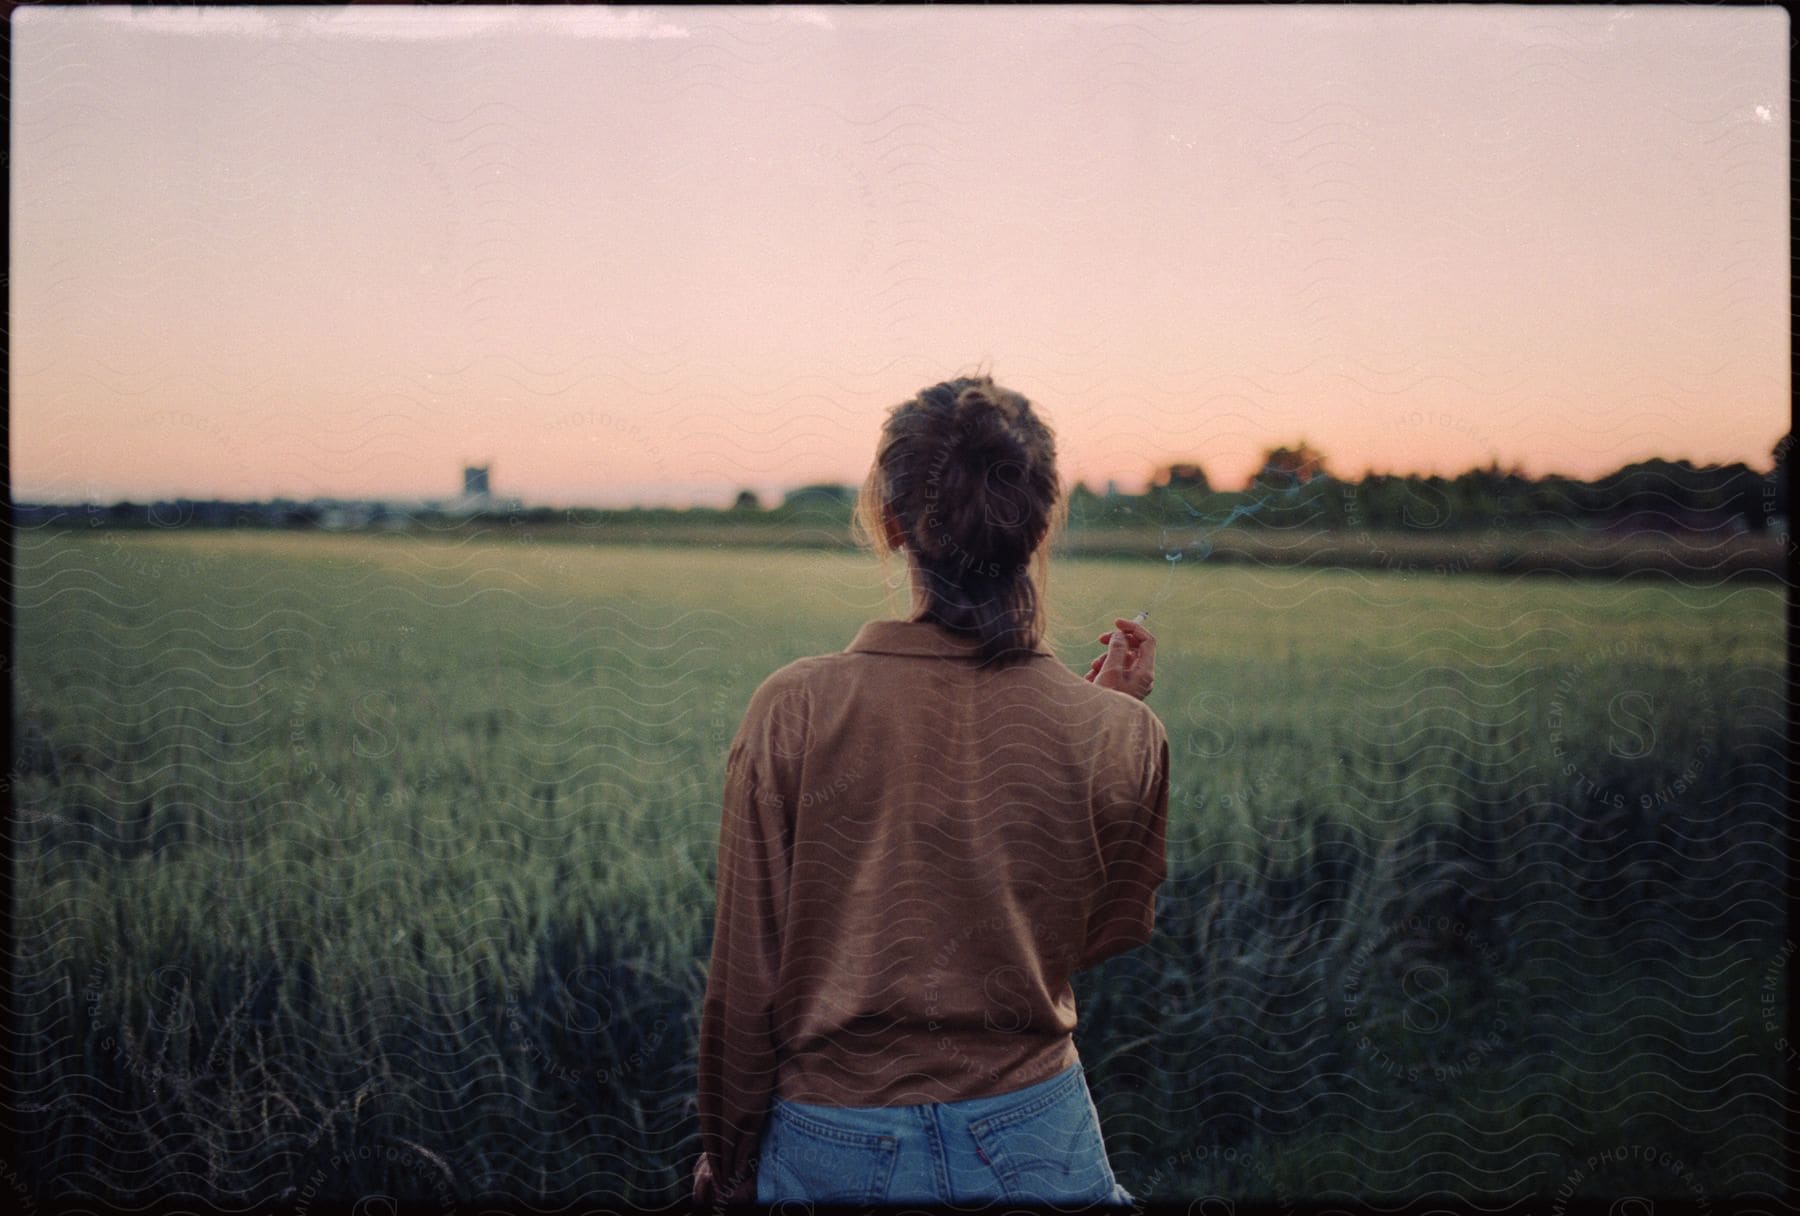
(737, 1047)
(1133, 837)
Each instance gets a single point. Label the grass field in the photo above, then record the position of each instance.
(378, 864)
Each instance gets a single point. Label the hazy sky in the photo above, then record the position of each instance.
(642, 254)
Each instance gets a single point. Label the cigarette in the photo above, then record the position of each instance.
(1140, 617)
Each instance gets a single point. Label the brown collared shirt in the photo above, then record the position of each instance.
(914, 856)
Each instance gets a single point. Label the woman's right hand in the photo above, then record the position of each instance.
(1129, 664)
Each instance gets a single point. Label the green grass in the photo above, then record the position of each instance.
(353, 864)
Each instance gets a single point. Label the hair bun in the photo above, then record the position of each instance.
(984, 423)
(976, 403)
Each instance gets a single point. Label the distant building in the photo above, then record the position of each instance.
(476, 495)
(475, 482)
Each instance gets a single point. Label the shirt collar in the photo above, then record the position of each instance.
(925, 638)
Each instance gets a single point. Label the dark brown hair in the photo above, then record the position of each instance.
(968, 471)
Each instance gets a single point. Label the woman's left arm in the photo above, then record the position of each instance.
(737, 1050)
(1133, 838)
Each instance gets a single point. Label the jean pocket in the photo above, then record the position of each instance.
(1049, 1149)
(811, 1159)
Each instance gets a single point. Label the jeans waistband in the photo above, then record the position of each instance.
(972, 1107)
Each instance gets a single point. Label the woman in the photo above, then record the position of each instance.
(924, 835)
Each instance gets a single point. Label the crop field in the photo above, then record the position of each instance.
(382, 865)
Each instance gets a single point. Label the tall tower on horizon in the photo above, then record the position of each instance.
(475, 484)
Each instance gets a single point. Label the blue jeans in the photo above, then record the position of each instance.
(1040, 1144)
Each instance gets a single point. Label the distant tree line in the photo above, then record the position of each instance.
(1294, 488)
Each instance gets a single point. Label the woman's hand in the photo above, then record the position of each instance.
(1129, 664)
(704, 1190)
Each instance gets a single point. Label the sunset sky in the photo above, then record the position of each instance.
(659, 255)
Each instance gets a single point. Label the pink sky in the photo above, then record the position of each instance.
(657, 255)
